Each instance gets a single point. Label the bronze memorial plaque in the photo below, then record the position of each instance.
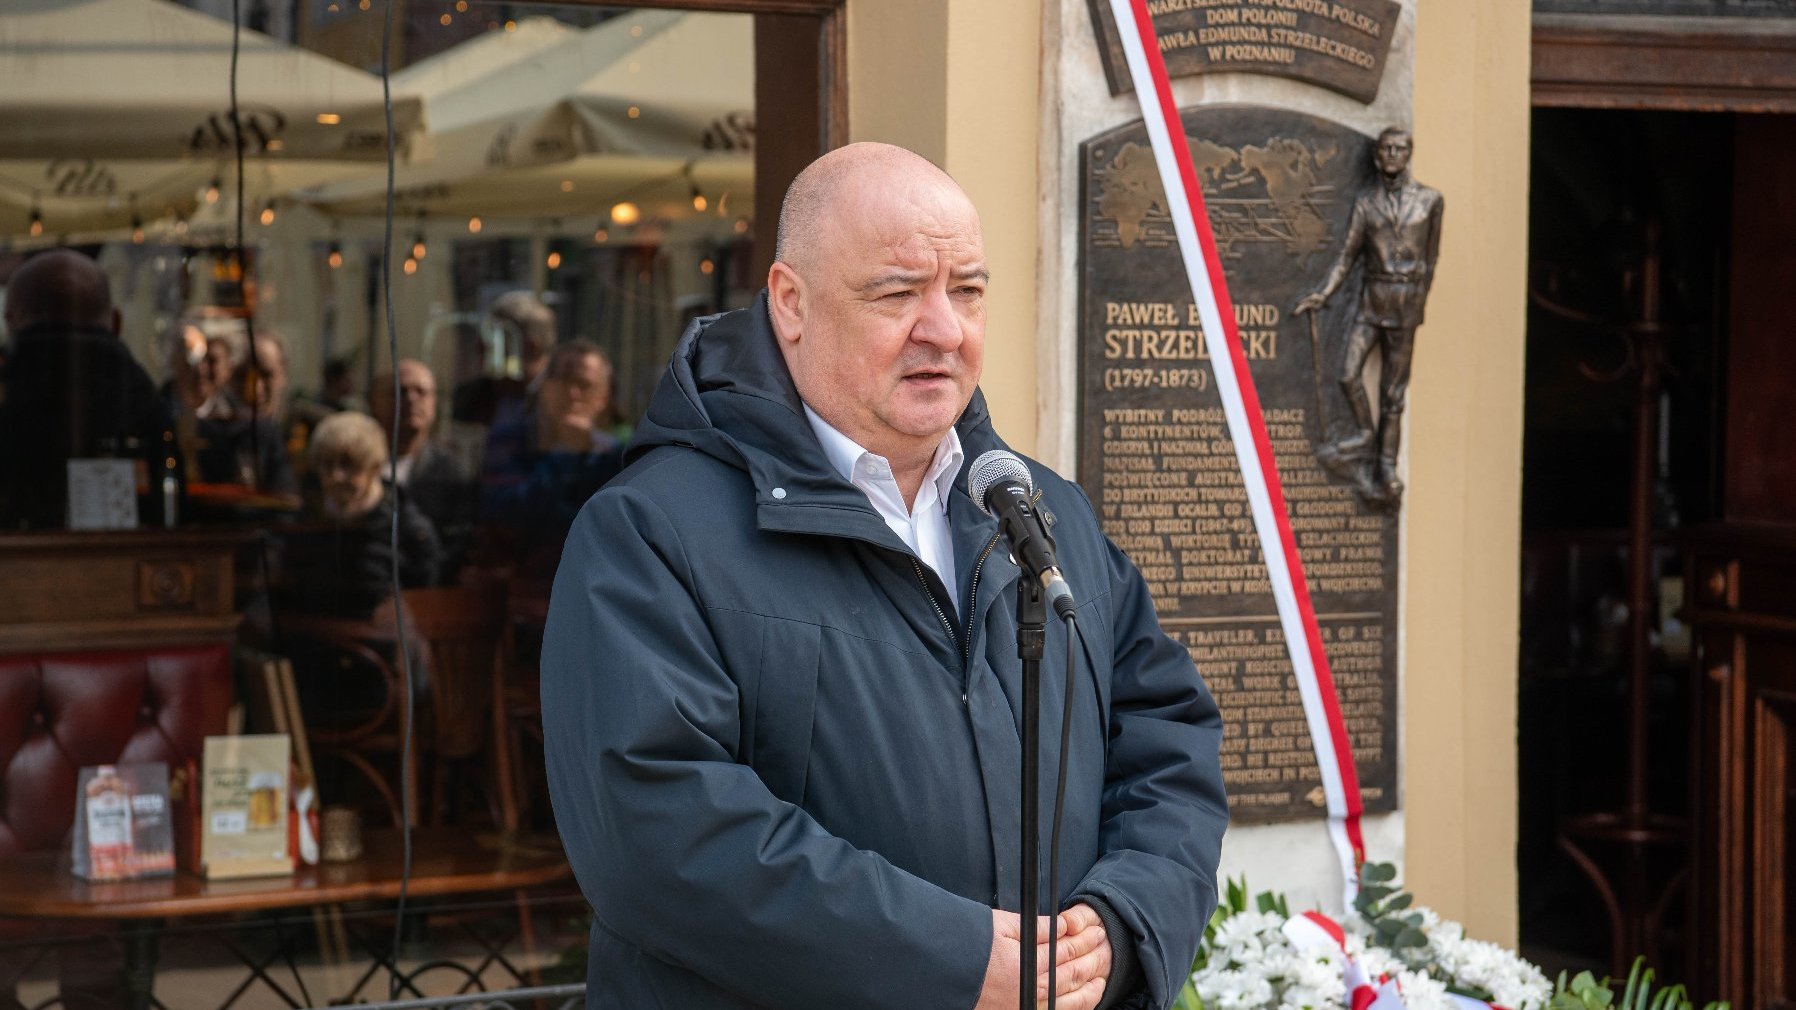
(1337, 44)
(1156, 456)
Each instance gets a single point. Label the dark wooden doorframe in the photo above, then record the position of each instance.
(1693, 64)
(812, 116)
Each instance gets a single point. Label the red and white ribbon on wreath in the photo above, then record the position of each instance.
(1247, 427)
(1310, 931)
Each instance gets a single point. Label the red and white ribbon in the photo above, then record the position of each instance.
(1313, 930)
(1247, 427)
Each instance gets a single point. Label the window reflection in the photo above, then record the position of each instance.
(574, 184)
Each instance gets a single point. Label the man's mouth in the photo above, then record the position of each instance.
(927, 375)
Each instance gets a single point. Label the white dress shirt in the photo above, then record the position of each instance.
(924, 526)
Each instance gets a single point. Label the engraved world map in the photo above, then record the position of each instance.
(1266, 193)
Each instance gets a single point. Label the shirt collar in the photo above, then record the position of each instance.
(845, 455)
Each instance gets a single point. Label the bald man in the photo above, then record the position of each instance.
(72, 390)
(780, 677)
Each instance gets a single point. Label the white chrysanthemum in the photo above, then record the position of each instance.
(1322, 975)
(1243, 937)
(1231, 989)
(1423, 993)
(1511, 981)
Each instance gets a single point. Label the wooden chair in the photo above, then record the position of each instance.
(337, 656)
(517, 697)
(453, 635)
(458, 631)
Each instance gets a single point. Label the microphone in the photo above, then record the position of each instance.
(1000, 483)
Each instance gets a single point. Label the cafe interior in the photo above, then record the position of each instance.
(306, 374)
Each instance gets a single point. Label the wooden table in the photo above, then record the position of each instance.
(445, 863)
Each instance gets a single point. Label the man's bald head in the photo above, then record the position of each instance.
(877, 298)
(61, 287)
(832, 183)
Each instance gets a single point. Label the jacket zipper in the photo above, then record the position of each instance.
(966, 644)
(937, 607)
(966, 641)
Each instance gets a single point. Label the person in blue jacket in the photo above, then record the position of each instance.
(781, 693)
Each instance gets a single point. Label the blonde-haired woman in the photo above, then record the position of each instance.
(342, 564)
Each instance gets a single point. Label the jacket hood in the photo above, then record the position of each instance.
(727, 393)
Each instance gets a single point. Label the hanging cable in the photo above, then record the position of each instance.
(259, 378)
(405, 662)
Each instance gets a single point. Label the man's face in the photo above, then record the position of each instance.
(215, 367)
(271, 384)
(1392, 154)
(417, 398)
(892, 327)
(578, 391)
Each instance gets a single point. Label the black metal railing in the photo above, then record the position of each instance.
(559, 997)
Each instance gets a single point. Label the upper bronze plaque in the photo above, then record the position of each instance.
(1337, 44)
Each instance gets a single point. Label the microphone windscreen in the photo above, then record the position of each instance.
(992, 467)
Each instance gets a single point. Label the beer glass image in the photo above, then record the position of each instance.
(264, 800)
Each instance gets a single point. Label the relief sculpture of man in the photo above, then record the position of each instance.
(1394, 233)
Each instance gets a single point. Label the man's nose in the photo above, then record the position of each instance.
(937, 323)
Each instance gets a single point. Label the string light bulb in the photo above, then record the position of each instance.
(410, 266)
(136, 230)
(418, 247)
(699, 203)
(626, 213)
(601, 236)
(706, 267)
(335, 259)
(267, 217)
(37, 221)
(213, 188)
(554, 261)
(474, 226)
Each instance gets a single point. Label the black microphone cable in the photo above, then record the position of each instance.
(1073, 637)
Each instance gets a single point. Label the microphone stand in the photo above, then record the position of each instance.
(1031, 638)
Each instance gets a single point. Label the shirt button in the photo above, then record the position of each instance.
(963, 699)
(779, 492)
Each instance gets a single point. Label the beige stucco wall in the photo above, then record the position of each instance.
(961, 82)
(1464, 522)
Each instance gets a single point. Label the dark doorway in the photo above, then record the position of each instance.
(1630, 222)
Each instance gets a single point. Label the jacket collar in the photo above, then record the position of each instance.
(727, 393)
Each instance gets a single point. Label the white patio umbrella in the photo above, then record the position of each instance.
(547, 121)
(89, 199)
(145, 79)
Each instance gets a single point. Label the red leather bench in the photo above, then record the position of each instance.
(61, 711)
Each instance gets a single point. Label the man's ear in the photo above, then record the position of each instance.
(785, 302)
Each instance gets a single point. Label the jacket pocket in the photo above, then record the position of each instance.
(785, 705)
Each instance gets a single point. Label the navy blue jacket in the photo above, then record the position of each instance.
(786, 773)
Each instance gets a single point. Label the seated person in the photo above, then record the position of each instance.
(489, 400)
(541, 468)
(340, 564)
(263, 378)
(431, 476)
(71, 390)
(231, 444)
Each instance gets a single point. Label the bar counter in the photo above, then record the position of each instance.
(64, 590)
